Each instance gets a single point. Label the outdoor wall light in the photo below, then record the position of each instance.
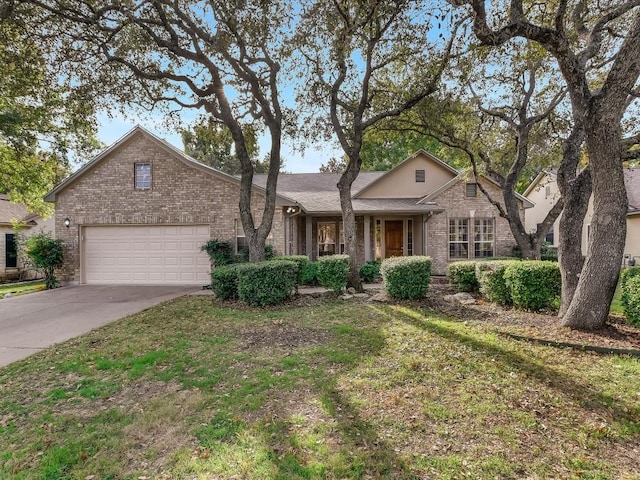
(67, 222)
(292, 210)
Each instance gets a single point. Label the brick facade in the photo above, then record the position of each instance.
(181, 193)
(458, 205)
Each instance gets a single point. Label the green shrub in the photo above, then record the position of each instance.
(332, 271)
(533, 285)
(490, 276)
(406, 277)
(224, 282)
(631, 302)
(220, 253)
(267, 283)
(625, 277)
(301, 261)
(370, 271)
(309, 275)
(46, 253)
(463, 276)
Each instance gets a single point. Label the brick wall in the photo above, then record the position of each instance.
(180, 194)
(457, 205)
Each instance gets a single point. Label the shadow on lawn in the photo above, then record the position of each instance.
(582, 394)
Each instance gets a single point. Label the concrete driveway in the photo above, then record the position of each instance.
(35, 321)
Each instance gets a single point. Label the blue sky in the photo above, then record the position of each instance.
(111, 129)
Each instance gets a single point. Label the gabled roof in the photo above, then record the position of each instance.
(317, 193)
(175, 152)
(10, 212)
(431, 157)
(431, 196)
(552, 172)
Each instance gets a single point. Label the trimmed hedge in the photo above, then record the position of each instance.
(630, 294)
(224, 281)
(490, 277)
(533, 285)
(267, 283)
(463, 276)
(370, 271)
(309, 274)
(220, 253)
(301, 261)
(631, 302)
(332, 271)
(406, 277)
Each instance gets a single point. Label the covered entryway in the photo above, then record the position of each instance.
(145, 255)
(393, 238)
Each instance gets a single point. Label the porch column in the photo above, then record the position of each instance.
(309, 237)
(367, 238)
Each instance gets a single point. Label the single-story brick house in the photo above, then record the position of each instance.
(11, 266)
(543, 192)
(140, 210)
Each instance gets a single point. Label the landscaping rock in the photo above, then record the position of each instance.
(379, 297)
(462, 297)
(346, 296)
(8, 295)
(351, 290)
(361, 295)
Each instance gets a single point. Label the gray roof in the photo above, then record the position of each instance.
(10, 211)
(317, 193)
(632, 184)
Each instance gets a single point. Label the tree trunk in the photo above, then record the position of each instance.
(589, 308)
(576, 195)
(349, 222)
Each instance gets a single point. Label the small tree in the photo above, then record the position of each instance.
(46, 253)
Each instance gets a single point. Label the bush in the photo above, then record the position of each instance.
(370, 271)
(267, 283)
(631, 302)
(533, 285)
(332, 271)
(46, 253)
(490, 276)
(309, 275)
(627, 292)
(301, 261)
(220, 253)
(406, 277)
(224, 282)
(463, 276)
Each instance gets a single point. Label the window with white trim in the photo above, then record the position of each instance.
(458, 238)
(483, 237)
(143, 176)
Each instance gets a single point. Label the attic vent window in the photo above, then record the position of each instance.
(143, 176)
(420, 176)
(472, 190)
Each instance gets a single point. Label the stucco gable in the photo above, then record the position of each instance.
(139, 135)
(400, 181)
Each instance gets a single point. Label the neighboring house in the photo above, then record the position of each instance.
(11, 267)
(140, 211)
(543, 193)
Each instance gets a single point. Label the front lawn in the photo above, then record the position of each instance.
(22, 288)
(328, 389)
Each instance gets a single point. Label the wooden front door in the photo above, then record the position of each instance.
(393, 240)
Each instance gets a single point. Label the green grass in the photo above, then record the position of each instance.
(616, 303)
(192, 390)
(22, 288)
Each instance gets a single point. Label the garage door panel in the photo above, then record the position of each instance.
(146, 255)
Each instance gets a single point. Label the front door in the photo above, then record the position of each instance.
(393, 240)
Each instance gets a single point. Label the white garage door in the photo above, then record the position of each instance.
(146, 255)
